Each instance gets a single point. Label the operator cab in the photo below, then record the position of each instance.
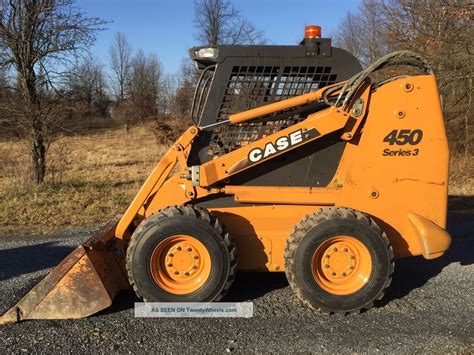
(236, 78)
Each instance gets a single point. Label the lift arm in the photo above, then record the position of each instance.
(314, 127)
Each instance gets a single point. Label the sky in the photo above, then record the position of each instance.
(166, 28)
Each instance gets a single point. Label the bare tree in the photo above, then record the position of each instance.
(119, 56)
(362, 32)
(182, 91)
(348, 34)
(86, 82)
(176, 95)
(373, 33)
(220, 22)
(182, 100)
(169, 85)
(5, 94)
(34, 36)
(144, 91)
(216, 22)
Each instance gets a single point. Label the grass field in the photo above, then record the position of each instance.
(92, 178)
(95, 176)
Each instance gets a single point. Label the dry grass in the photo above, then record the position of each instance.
(461, 175)
(93, 177)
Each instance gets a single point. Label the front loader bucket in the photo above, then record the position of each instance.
(84, 283)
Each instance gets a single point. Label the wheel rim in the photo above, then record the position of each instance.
(180, 264)
(341, 265)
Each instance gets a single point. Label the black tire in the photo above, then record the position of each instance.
(320, 226)
(188, 220)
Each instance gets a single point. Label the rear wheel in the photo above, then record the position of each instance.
(181, 254)
(338, 260)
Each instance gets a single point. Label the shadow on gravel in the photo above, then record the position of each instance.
(23, 260)
(412, 273)
(123, 301)
(247, 286)
(251, 285)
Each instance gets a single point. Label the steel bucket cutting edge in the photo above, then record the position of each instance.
(84, 283)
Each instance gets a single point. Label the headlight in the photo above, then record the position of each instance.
(206, 53)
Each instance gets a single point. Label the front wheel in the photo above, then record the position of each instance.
(181, 254)
(338, 260)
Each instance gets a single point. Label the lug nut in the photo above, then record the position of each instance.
(344, 274)
(176, 272)
(346, 250)
(170, 265)
(335, 249)
(353, 257)
(333, 274)
(178, 248)
(195, 267)
(186, 273)
(326, 266)
(170, 255)
(196, 257)
(326, 256)
(189, 249)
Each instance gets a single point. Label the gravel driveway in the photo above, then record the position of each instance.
(429, 308)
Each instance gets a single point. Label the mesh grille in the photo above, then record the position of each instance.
(252, 86)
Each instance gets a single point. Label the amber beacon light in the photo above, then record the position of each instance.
(312, 32)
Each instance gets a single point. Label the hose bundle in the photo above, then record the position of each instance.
(348, 89)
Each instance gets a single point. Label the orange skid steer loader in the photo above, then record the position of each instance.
(298, 162)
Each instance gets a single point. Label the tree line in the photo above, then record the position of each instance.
(49, 79)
